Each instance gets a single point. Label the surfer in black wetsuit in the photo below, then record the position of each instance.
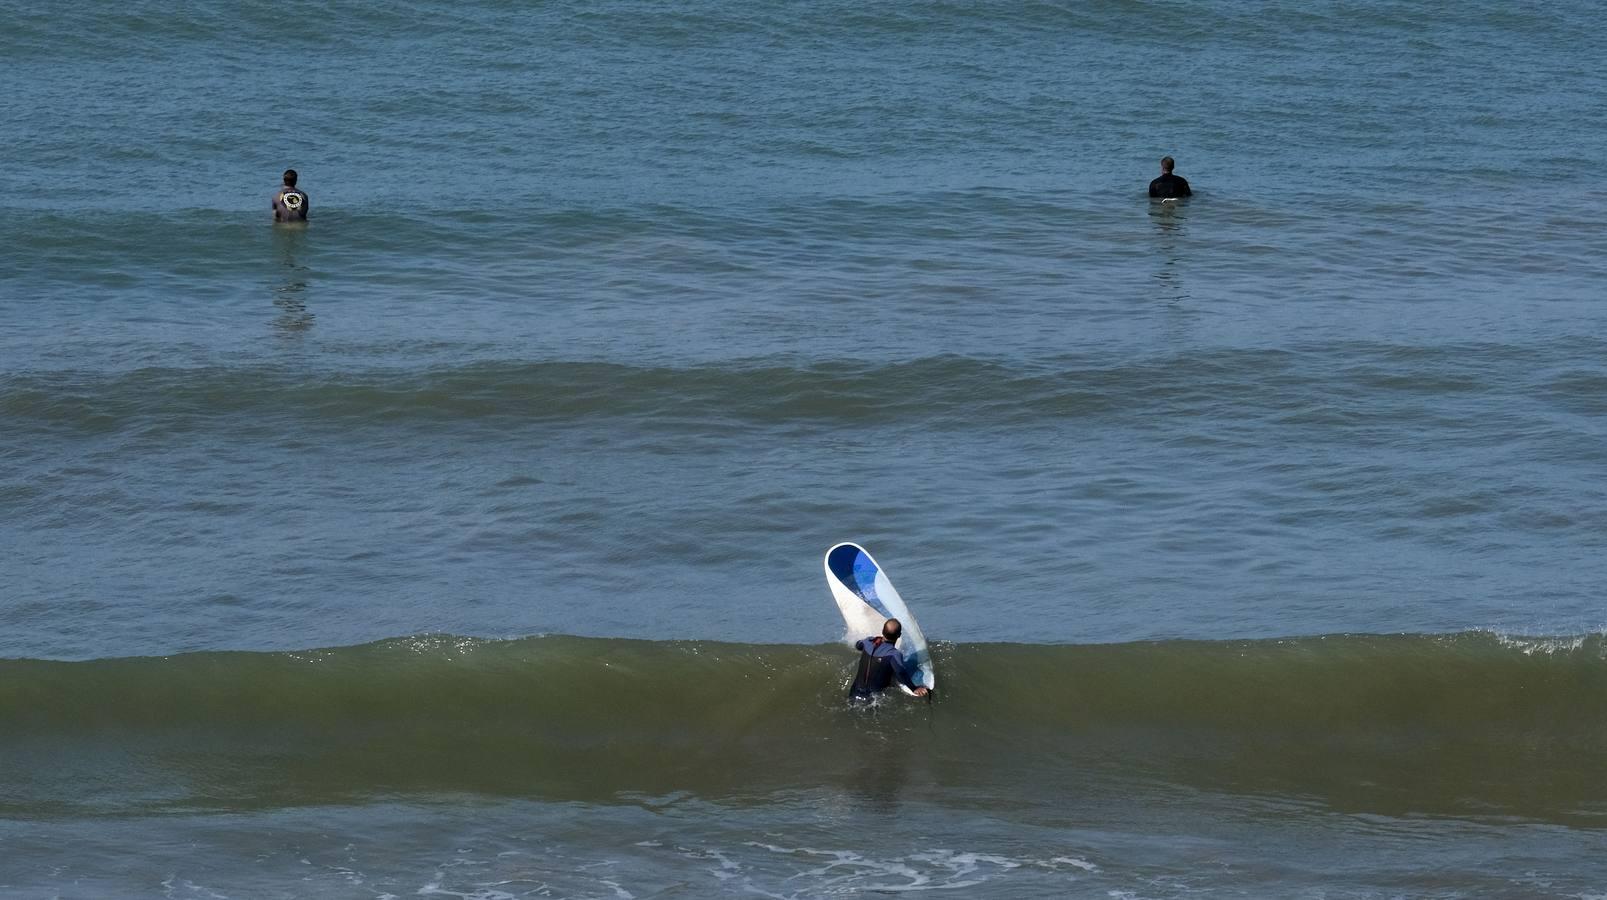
(880, 664)
(1169, 186)
(290, 203)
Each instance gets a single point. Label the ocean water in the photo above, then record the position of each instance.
(467, 542)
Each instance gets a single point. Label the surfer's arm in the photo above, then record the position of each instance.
(904, 671)
(908, 680)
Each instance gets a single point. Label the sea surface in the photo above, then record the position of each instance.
(467, 542)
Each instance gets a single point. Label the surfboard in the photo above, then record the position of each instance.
(867, 598)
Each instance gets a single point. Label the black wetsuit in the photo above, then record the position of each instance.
(1169, 186)
(880, 664)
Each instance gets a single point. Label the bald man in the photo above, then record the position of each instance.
(880, 664)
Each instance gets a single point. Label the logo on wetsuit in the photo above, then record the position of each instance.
(292, 200)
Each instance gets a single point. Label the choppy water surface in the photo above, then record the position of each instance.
(1262, 533)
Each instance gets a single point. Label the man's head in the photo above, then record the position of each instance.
(1166, 166)
(891, 629)
(290, 178)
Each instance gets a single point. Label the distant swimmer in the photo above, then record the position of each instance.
(880, 664)
(290, 203)
(1169, 186)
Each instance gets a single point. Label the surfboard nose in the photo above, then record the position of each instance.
(854, 569)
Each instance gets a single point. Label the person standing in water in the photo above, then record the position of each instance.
(290, 203)
(881, 663)
(1169, 186)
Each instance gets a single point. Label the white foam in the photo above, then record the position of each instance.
(479, 891)
(928, 870)
(1073, 862)
(1546, 646)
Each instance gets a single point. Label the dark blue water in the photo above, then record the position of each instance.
(611, 318)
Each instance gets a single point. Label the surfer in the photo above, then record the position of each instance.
(880, 663)
(1169, 186)
(290, 203)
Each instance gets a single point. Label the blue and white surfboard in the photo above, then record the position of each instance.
(867, 599)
